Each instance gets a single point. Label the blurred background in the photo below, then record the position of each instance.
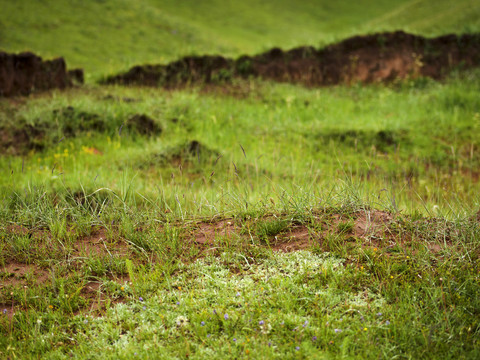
(106, 36)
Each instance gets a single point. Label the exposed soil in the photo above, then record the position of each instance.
(297, 238)
(382, 57)
(19, 274)
(205, 233)
(15, 274)
(144, 125)
(183, 155)
(99, 244)
(375, 231)
(369, 229)
(24, 73)
(19, 137)
(364, 139)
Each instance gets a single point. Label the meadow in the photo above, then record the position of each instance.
(250, 220)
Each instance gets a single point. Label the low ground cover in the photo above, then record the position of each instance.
(202, 149)
(253, 220)
(351, 282)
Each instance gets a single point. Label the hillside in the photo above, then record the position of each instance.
(108, 36)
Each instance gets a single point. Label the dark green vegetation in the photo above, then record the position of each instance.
(255, 220)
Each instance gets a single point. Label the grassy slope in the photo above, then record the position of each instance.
(293, 137)
(106, 36)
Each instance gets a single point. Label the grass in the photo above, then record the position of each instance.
(241, 300)
(415, 139)
(260, 220)
(153, 31)
(116, 242)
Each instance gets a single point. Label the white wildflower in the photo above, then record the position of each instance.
(181, 321)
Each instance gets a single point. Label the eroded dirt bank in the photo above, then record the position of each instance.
(380, 57)
(24, 73)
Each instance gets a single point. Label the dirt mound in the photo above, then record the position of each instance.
(23, 139)
(185, 154)
(24, 73)
(380, 57)
(18, 136)
(144, 125)
(73, 121)
(186, 70)
(190, 151)
(363, 139)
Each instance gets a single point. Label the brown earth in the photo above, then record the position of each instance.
(24, 73)
(382, 57)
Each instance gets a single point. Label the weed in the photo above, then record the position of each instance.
(270, 228)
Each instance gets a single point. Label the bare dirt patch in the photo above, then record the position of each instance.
(382, 57)
(370, 224)
(296, 238)
(372, 227)
(99, 244)
(205, 233)
(18, 274)
(189, 154)
(379, 232)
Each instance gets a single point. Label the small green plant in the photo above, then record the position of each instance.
(268, 228)
(345, 227)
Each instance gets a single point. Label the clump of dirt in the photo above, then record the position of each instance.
(382, 57)
(100, 244)
(19, 274)
(76, 76)
(24, 73)
(187, 70)
(144, 125)
(382, 140)
(190, 152)
(17, 135)
(73, 121)
(205, 233)
(17, 140)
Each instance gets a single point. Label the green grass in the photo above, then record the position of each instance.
(105, 37)
(243, 301)
(94, 218)
(334, 222)
(417, 142)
